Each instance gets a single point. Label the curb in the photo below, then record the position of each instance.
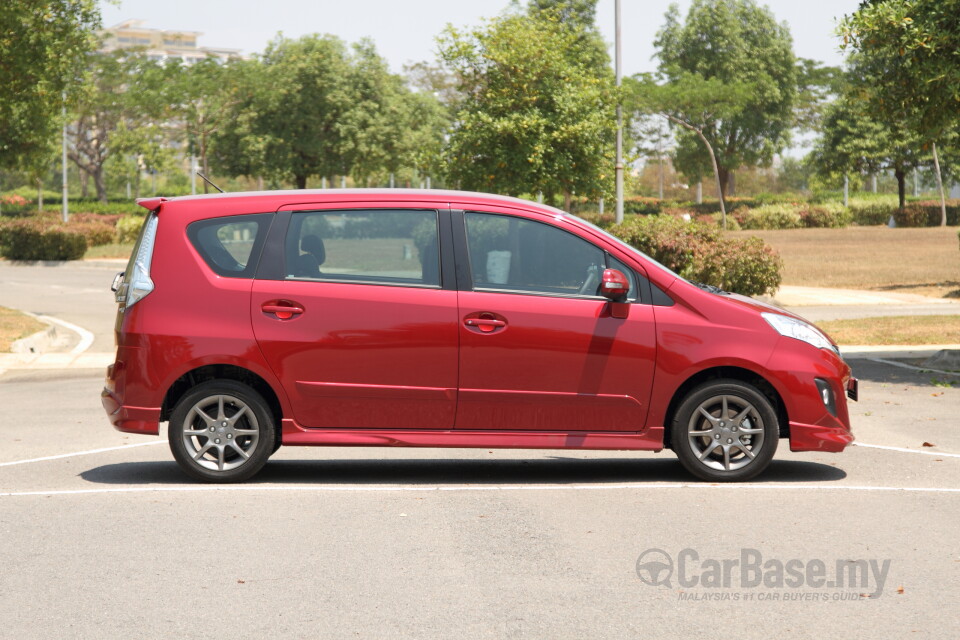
(907, 352)
(35, 343)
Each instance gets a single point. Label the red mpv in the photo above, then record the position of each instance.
(430, 318)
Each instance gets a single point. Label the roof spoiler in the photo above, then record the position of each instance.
(151, 203)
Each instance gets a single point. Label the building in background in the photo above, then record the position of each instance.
(161, 44)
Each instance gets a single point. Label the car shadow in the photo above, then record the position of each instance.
(428, 472)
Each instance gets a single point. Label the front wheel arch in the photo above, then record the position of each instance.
(732, 373)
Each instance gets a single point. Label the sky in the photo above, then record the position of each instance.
(404, 31)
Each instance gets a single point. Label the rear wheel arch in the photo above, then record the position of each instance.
(730, 373)
(189, 380)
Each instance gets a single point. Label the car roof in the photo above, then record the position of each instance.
(271, 200)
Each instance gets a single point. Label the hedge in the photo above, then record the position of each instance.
(32, 239)
(700, 252)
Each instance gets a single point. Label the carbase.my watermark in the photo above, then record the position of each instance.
(750, 571)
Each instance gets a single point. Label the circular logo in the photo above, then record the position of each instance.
(654, 567)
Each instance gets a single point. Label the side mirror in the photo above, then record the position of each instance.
(614, 285)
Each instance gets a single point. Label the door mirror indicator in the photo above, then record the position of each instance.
(614, 285)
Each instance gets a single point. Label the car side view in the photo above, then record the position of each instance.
(427, 318)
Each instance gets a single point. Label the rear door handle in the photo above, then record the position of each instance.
(282, 311)
(483, 322)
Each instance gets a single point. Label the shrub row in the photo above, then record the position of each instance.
(701, 253)
(44, 237)
(36, 240)
(794, 216)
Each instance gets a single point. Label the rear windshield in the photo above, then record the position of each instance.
(231, 245)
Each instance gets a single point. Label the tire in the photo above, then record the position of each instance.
(729, 450)
(221, 431)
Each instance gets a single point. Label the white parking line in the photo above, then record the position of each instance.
(462, 488)
(80, 453)
(903, 450)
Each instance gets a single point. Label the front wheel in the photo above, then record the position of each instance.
(725, 431)
(221, 431)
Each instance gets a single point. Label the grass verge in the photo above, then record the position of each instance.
(109, 251)
(922, 261)
(15, 325)
(894, 330)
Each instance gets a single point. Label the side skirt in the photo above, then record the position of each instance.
(649, 440)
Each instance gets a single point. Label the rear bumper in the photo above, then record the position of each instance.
(144, 420)
(831, 438)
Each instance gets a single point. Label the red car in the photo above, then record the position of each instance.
(427, 318)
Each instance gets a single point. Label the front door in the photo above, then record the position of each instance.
(538, 347)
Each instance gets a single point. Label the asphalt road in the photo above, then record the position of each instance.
(101, 536)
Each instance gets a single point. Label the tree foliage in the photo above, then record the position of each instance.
(316, 107)
(536, 115)
(909, 51)
(42, 48)
(739, 44)
(121, 110)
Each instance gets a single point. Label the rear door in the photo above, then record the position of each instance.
(357, 318)
(539, 349)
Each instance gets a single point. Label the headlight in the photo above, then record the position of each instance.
(798, 329)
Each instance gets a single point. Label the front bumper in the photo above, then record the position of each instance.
(818, 437)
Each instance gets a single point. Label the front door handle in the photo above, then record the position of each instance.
(282, 309)
(485, 322)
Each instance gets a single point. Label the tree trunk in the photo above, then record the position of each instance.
(100, 183)
(301, 181)
(732, 184)
(723, 175)
(567, 200)
(84, 182)
(713, 160)
(39, 194)
(943, 200)
(901, 176)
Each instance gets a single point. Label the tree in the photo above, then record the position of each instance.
(535, 116)
(733, 42)
(909, 49)
(42, 49)
(201, 97)
(121, 110)
(312, 107)
(695, 104)
(908, 53)
(854, 140)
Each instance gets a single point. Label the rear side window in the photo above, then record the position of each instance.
(230, 246)
(373, 246)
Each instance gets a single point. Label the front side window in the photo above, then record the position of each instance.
(382, 246)
(228, 245)
(514, 254)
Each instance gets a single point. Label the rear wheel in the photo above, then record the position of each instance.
(725, 430)
(221, 431)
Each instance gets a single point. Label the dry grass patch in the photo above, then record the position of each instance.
(895, 330)
(109, 251)
(923, 261)
(15, 325)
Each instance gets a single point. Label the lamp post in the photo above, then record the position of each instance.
(65, 207)
(619, 165)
